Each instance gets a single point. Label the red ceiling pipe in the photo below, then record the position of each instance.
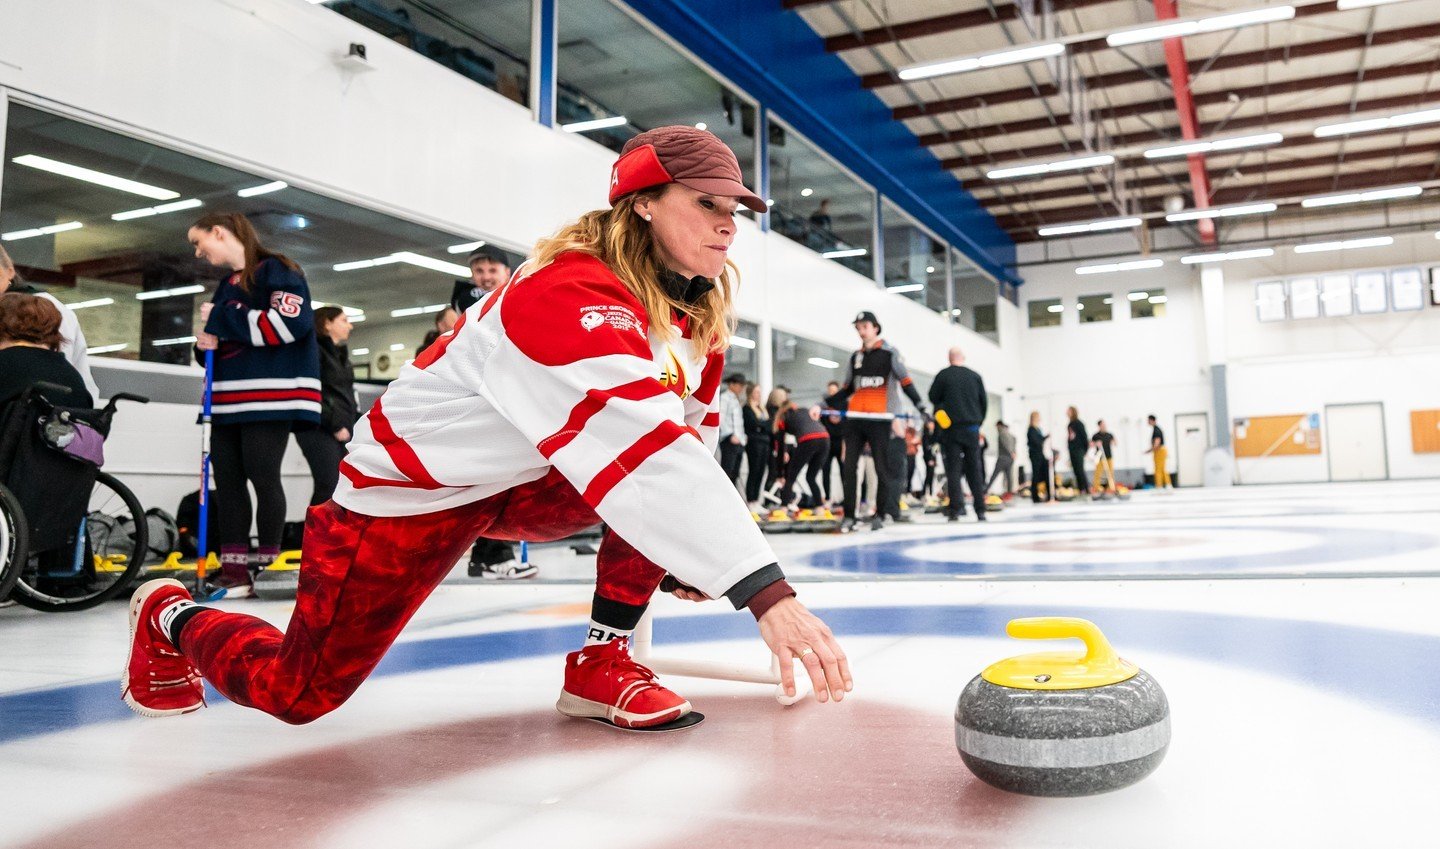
(1189, 123)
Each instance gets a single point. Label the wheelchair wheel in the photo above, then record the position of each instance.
(103, 561)
(14, 533)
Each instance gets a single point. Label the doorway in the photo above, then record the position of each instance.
(1192, 438)
(1355, 442)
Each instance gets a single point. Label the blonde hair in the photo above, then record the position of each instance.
(6, 263)
(618, 238)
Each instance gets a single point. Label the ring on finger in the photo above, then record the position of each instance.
(805, 651)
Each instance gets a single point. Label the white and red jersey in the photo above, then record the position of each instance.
(558, 369)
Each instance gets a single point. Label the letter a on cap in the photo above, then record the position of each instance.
(636, 170)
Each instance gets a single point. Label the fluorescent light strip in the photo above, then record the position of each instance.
(99, 178)
(597, 124)
(189, 203)
(1051, 167)
(433, 264)
(906, 287)
(1342, 5)
(1055, 308)
(822, 362)
(964, 64)
(193, 289)
(178, 340)
(1197, 26)
(1222, 212)
(1226, 256)
(398, 346)
(108, 349)
(1132, 265)
(1404, 119)
(41, 231)
(847, 252)
(465, 248)
(1158, 299)
(1138, 296)
(97, 302)
(1236, 143)
(263, 189)
(1348, 245)
(1363, 197)
(742, 342)
(1090, 226)
(360, 352)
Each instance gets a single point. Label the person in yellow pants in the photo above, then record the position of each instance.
(1157, 448)
(1104, 440)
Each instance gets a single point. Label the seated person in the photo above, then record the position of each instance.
(30, 351)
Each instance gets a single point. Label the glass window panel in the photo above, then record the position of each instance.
(914, 260)
(803, 366)
(1304, 298)
(975, 298)
(1407, 289)
(1335, 295)
(612, 66)
(487, 41)
(1370, 294)
(742, 355)
(101, 266)
(1147, 303)
(819, 205)
(1095, 308)
(1045, 313)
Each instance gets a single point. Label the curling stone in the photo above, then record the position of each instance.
(994, 504)
(1062, 723)
(279, 581)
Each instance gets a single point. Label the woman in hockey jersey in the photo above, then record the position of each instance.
(584, 389)
(267, 381)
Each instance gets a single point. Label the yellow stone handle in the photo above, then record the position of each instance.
(942, 418)
(1098, 652)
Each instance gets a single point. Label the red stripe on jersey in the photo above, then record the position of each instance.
(266, 331)
(437, 348)
(407, 462)
(710, 378)
(240, 397)
(360, 480)
(710, 420)
(906, 381)
(630, 460)
(595, 401)
(819, 434)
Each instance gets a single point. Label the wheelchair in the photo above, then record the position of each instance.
(71, 536)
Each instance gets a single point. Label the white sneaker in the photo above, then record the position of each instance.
(510, 570)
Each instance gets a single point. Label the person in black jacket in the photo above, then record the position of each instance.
(30, 352)
(324, 447)
(1079, 444)
(960, 393)
(1039, 464)
(758, 435)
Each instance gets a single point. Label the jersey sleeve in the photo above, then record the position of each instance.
(902, 375)
(286, 316)
(574, 374)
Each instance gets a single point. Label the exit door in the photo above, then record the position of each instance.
(1192, 438)
(1355, 442)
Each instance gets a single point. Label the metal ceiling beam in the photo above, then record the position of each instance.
(1284, 53)
(1213, 98)
(1018, 225)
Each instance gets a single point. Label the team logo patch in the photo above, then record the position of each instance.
(618, 317)
(287, 304)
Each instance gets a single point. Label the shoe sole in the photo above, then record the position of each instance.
(513, 576)
(574, 706)
(137, 602)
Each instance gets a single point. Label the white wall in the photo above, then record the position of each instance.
(254, 83)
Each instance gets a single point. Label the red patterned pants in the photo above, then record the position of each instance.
(362, 579)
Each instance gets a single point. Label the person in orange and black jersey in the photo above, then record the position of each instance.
(757, 444)
(831, 421)
(960, 393)
(870, 396)
(809, 454)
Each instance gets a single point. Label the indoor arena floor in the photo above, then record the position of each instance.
(1293, 628)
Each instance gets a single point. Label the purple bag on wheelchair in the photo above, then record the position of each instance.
(74, 438)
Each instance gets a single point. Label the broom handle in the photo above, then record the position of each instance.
(202, 543)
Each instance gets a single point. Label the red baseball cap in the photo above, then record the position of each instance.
(691, 157)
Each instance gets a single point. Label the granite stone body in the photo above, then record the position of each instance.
(1063, 742)
(277, 584)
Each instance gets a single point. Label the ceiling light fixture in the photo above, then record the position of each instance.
(360, 352)
(844, 253)
(1226, 256)
(1111, 267)
(963, 64)
(175, 292)
(906, 287)
(108, 349)
(1404, 119)
(409, 311)
(99, 178)
(176, 340)
(1090, 226)
(263, 189)
(1222, 212)
(822, 362)
(1347, 245)
(1138, 296)
(597, 124)
(1343, 5)
(465, 248)
(96, 302)
(1198, 26)
(1362, 197)
(742, 342)
(1237, 143)
(1051, 167)
(163, 208)
(1055, 308)
(408, 257)
(397, 346)
(17, 235)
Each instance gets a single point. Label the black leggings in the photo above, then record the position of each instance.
(249, 452)
(1039, 474)
(323, 452)
(757, 453)
(810, 456)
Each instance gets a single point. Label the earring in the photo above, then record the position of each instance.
(647, 217)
